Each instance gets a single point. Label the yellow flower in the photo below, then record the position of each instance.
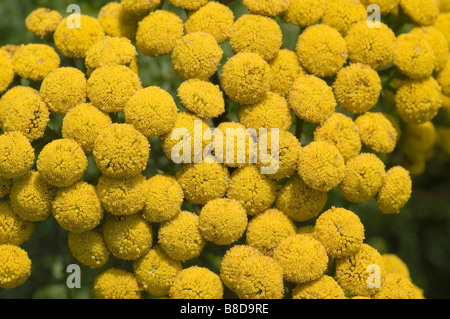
(5, 186)
(110, 51)
(6, 70)
(43, 22)
(303, 13)
(196, 283)
(396, 286)
(321, 50)
(14, 230)
(444, 5)
(35, 61)
(437, 42)
(394, 264)
(342, 14)
(443, 78)
(312, 99)
(222, 221)
(396, 190)
(127, 237)
(418, 292)
(116, 284)
(89, 248)
(414, 163)
(323, 288)
(10, 48)
(16, 154)
(286, 69)
(116, 22)
(423, 12)
(15, 266)
(386, 6)
(269, 8)
(419, 138)
(442, 23)
(377, 132)
(239, 143)
(189, 4)
(246, 78)
(156, 272)
(139, 6)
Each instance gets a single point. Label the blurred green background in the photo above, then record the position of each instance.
(420, 234)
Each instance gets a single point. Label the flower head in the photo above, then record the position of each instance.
(386, 6)
(437, 42)
(43, 22)
(116, 284)
(14, 230)
(443, 78)
(15, 266)
(394, 264)
(189, 4)
(6, 70)
(304, 13)
(419, 138)
(139, 6)
(117, 22)
(423, 12)
(342, 14)
(203, 98)
(89, 248)
(35, 61)
(396, 286)
(196, 283)
(396, 190)
(323, 288)
(16, 154)
(442, 23)
(286, 69)
(269, 8)
(110, 51)
(377, 132)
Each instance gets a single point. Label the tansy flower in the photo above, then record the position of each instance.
(303, 13)
(83, 124)
(116, 284)
(246, 78)
(418, 101)
(5, 186)
(444, 5)
(443, 78)
(363, 178)
(139, 6)
(372, 46)
(110, 87)
(266, 230)
(16, 154)
(396, 286)
(414, 163)
(202, 182)
(257, 34)
(307, 230)
(152, 111)
(89, 248)
(121, 151)
(437, 42)
(386, 6)
(77, 208)
(394, 264)
(189, 4)
(299, 201)
(196, 283)
(43, 22)
(312, 99)
(14, 230)
(396, 190)
(202, 98)
(10, 48)
(377, 132)
(302, 258)
(196, 56)
(156, 272)
(31, 197)
(323, 288)
(271, 112)
(353, 272)
(127, 237)
(286, 69)
(110, 51)
(321, 50)
(116, 22)
(269, 8)
(6, 70)
(163, 198)
(15, 266)
(341, 131)
(357, 88)
(35, 61)
(213, 18)
(442, 23)
(222, 221)
(180, 236)
(63, 89)
(423, 12)
(122, 196)
(419, 138)
(75, 42)
(340, 231)
(321, 166)
(342, 14)
(62, 162)
(256, 192)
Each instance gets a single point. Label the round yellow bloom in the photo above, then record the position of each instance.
(442, 23)
(286, 69)
(340, 231)
(321, 166)
(196, 283)
(110, 51)
(418, 292)
(377, 132)
(259, 277)
(321, 50)
(16, 154)
(14, 230)
(73, 41)
(396, 286)
(306, 230)
(257, 34)
(256, 192)
(62, 162)
(23, 110)
(202, 182)
(156, 272)
(110, 87)
(35, 61)
(414, 163)
(5, 186)
(302, 258)
(116, 22)
(353, 272)
(196, 56)
(357, 88)
(189, 4)
(10, 48)
(394, 264)
(419, 138)
(43, 22)
(303, 13)
(423, 12)
(443, 78)
(342, 14)
(127, 237)
(152, 111)
(6, 70)
(386, 6)
(268, 229)
(31, 197)
(121, 151)
(222, 221)
(77, 208)
(202, 98)
(180, 236)
(418, 101)
(372, 46)
(89, 248)
(246, 78)
(323, 288)
(269, 8)
(364, 175)
(139, 6)
(312, 99)
(396, 190)
(15, 266)
(213, 18)
(437, 42)
(116, 284)
(444, 5)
